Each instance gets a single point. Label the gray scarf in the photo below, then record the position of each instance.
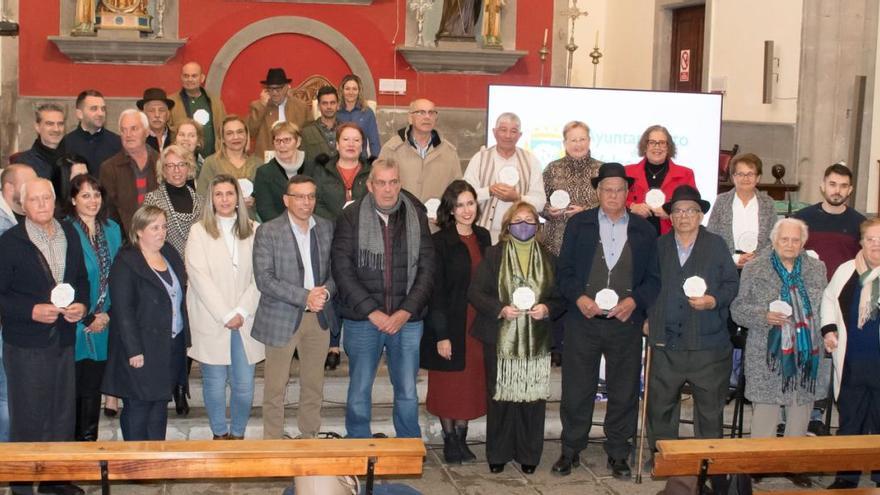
(371, 246)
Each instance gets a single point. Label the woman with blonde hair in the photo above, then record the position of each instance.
(221, 302)
(233, 159)
(514, 293)
(181, 203)
(190, 135)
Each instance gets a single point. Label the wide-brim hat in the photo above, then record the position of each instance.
(276, 75)
(686, 193)
(611, 169)
(155, 94)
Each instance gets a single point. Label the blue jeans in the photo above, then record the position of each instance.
(364, 344)
(240, 376)
(4, 399)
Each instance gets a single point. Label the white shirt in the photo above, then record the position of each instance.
(536, 195)
(745, 220)
(282, 115)
(303, 242)
(225, 225)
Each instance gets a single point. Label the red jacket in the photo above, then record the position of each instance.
(677, 175)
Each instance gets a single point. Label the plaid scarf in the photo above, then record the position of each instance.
(791, 348)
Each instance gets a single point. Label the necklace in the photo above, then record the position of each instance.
(658, 172)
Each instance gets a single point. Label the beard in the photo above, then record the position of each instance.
(836, 200)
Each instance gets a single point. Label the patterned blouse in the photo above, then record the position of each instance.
(179, 223)
(573, 176)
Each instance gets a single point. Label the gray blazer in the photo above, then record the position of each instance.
(279, 276)
(721, 219)
(758, 287)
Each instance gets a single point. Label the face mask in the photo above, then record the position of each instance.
(523, 231)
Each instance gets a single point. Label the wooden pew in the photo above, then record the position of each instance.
(114, 460)
(768, 455)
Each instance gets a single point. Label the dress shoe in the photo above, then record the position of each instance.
(181, 406)
(332, 361)
(800, 479)
(224, 436)
(496, 468)
(60, 489)
(563, 465)
(528, 468)
(110, 412)
(235, 437)
(842, 484)
(619, 468)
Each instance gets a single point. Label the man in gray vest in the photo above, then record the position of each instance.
(608, 273)
(688, 323)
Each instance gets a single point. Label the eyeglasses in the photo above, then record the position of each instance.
(871, 240)
(286, 140)
(688, 212)
(613, 192)
(300, 197)
(424, 113)
(275, 89)
(178, 165)
(657, 144)
(745, 175)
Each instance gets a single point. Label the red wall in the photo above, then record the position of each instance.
(45, 71)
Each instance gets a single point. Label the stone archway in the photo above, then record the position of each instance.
(289, 25)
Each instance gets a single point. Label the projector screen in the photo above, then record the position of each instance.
(617, 119)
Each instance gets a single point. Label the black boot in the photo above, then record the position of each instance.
(451, 451)
(467, 457)
(181, 406)
(88, 414)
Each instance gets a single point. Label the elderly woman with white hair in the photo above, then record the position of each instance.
(779, 298)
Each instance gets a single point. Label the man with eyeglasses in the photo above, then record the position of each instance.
(504, 174)
(319, 136)
(688, 322)
(608, 273)
(383, 264)
(427, 163)
(276, 104)
(292, 271)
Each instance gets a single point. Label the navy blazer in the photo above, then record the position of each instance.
(579, 244)
(25, 280)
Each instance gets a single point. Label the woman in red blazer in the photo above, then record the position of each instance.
(656, 171)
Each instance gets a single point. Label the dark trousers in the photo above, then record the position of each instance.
(514, 430)
(585, 343)
(143, 419)
(859, 405)
(707, 372)
(42, 398)
(89, 374)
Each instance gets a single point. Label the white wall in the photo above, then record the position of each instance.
(586, 29)
(873, 172)
(738, 30)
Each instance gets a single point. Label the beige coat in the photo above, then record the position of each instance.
(214, 292)
(262, 117)
(426, 178)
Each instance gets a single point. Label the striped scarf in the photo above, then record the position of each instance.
(488, 174)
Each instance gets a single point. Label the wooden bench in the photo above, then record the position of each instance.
(114, 460)
(768, 455)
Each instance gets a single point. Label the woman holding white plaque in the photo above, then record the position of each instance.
(656, 177)
(514, 293)
(779, 299)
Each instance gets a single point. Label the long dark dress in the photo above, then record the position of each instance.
(461, 394)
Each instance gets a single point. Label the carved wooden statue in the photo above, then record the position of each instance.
(459, 18)
(492, 23)
(84, 18)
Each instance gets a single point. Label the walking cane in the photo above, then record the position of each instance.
(644, 429)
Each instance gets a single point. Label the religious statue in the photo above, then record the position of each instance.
(492, 23)
(124, 15)
(459, 18)
(84, 18)
(160, 18)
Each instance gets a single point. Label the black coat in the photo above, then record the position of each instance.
(361, 289)
(25, 280)
(483, 294)
(579, 244)
(447, 312)
(141, 316)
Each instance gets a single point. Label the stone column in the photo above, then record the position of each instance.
(8, 87)
(838, 43)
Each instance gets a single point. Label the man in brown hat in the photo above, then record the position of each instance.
(276, 104)
(157, 106)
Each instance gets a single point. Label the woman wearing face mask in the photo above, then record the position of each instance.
(514, 293)
(354, 109)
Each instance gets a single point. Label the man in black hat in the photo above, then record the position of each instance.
(608, 273)
(276, 104)
(688, 323)
(157, 106)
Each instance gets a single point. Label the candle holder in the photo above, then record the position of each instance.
(419, 7)
(542, 54)
(595, 55)
(160, 18)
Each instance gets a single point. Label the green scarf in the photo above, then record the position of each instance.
(523, 343)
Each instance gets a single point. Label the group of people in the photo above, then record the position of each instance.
(230, 241)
